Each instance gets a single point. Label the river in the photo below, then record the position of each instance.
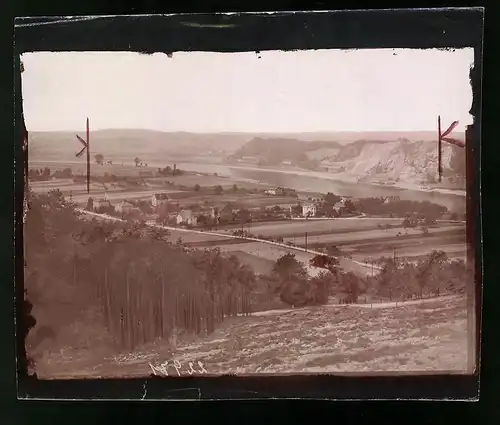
(300, 181)
(308, 181)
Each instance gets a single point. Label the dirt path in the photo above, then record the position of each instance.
(392, 304)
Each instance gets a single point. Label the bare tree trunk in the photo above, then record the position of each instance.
(162, 305)
(109, 317)
(127, 312)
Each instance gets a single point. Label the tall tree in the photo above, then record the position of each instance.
(99, 158)
(331, 199)
(349, 206)
(287, 267)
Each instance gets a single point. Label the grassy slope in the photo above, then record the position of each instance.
(425, 337)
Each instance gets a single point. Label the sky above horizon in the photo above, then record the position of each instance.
(275, 91)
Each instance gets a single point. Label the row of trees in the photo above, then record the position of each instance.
(423, 210)
(219, 190)
(398, 280)
(400, 208)
(99, 159)
(145, 287)
(39, 174)
(170, 171)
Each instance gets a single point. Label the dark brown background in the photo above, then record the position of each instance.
(361, 29)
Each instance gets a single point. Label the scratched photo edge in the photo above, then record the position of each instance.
(476, 306)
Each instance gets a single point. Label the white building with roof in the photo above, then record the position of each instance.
(159, 199)
(186, 217)
(309, 210)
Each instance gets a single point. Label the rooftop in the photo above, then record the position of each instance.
(161, 196)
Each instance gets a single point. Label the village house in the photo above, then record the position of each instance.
(339, 207)
(159, 199)
(225, 214)
(309, 210)
(214, 213)
(278, 191)
(165, 209)
(102, 203)
(125, 207)
(186, 217)
(135, 214)
(149, 218)
(288, 207)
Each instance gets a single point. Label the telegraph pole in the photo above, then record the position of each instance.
(440, 170)
(88, 157)
(443, 137)
(306, 241)
(86, 146)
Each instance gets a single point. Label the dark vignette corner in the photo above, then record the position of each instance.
(390, 29)
(474, 200)
(24, 320)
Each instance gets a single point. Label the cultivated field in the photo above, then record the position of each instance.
(375, 234)
(260, 265)
(287, 228)
(359, 236)
(417, 337)
(416, 249)
(188, 179)
(80, 167)
(118, 191)
(271, 252)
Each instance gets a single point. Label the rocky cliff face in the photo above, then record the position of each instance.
(400, 160)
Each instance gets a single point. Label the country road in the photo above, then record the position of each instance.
(345, 263)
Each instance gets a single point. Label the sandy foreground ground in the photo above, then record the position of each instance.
(413, 337)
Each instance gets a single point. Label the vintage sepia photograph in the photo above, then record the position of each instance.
(251, 213)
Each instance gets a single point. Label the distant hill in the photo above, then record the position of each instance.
(344, 137)
(276, 150)
(400, 160)
(146, 144)
(150, 145)
(385, 160)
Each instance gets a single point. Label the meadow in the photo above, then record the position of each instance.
(417, 337)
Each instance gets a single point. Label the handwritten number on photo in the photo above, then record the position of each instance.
(202, 368)
(177, 367)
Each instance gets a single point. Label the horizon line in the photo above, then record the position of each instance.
(238, 132)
